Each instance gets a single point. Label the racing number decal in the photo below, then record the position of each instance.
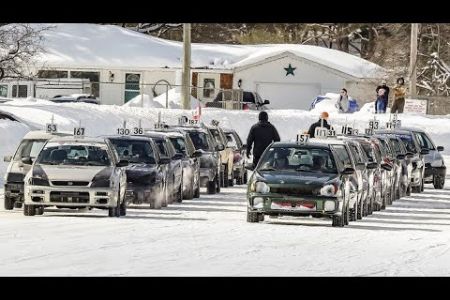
(123, 131)
(138, 131)
(51, 128)
(302, 138)
(78, 131)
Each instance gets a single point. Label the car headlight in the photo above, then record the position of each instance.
(329, 190)
(38, 177)
(262, 187)
(102, 178)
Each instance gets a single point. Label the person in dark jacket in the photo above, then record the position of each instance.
(382, 98)
(312, 128)
(262, 134)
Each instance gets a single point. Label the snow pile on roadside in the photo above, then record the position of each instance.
(174, 99)
(143, 101)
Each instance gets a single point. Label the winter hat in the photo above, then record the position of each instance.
(263, 116)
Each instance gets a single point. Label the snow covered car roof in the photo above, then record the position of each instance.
(43, 135)
(86, 140)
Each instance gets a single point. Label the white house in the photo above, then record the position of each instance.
(122, 64)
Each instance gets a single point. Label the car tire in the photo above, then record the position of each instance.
(244, 181)
(260, 217)
(422, 185)
(179, 195)
(39, 211)
(29, 210)
(123, 209)
(231, 182)
(189, 194)
(347, 215)
(360, 212)
(197, 191)
(438, 182)
(112, 211)
(9, 203)
(339, 221)
(253, 217)
(353, 212)
(211, 187)
(218, 181)
(225, 178)
(408, 190)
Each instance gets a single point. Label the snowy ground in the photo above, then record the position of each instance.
(209, 236)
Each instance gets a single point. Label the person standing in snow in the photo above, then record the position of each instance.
(323, 118)
(382, 98)
(262, 134)
(343, 103)
(399, 96)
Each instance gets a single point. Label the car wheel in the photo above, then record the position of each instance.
(197, 191)
(211, 187)
(252, 217)
(245, 177)
(225, 178)
(339, 221)
(231, 182)
(39, 210)
(360, 212)
(218, 181)
(28, 210)
(179, 196)
(347, 215)
(422, 185)
(189, 194)
(438, 182)
(123, 209)
(9, 203)
(354, 211)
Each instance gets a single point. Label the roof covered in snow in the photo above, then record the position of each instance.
(110, 46)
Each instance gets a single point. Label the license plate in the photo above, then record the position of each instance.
(18, 187)
(286, 205)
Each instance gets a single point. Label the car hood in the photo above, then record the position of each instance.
(140, 170)
(72, 173)
(300, 178)
(432, 156)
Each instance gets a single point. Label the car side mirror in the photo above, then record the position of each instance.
(177, 156)
(197, 153)
(401, 156)
(266, 102)
(7, 158)
(27, 160)
(372, 165)
(249, 166)
(122, 163)
(220, 148)
(424, 151)
(348, 171)
(387, 167)
(440, 148)
(164, 160)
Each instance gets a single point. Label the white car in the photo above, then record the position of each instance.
(76, 173)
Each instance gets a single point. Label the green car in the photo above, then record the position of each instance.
(316, 178)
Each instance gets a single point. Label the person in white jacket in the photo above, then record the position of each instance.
(343, 102)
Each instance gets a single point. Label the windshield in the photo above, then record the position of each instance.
(134, 151)
(29, 148)
(231, 142)
(217, 137)
(178, 144)
(74, 154)
(317, 160)
(369, 152)
(424, 141)
(408, 141)
(200, 140)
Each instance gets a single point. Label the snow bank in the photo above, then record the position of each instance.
(143, 101)
(174, 99)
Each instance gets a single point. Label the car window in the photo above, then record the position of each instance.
(29, 148)
(316, 160)
(424, 140)
(200, 140)
(355, 152)
(216, 135)
(162, 147)
(134, 151)
(343, 156)
(231, 141)
(179, 144)
(74, 154)
(370, 152)
(248, 97)
(408, 141)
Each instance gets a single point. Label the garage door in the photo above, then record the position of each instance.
(288, 96)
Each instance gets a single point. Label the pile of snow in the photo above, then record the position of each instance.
(173, 97)
(103, 46)
(143, 101)
(28, 101)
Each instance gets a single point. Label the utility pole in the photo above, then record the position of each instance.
(413, 60)
(186, 73)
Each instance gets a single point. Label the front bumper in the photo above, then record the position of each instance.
(276, 204)
(137, 194)
(14, 190)
(70, 196)
(430, 172)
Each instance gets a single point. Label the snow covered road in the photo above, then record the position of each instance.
(210, 236)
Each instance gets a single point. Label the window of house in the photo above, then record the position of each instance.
(132, 88)
(52, 74)
(209, 85)
(3, 90)
(94, 78)
(19, 91)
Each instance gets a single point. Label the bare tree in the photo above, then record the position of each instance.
(19, 43)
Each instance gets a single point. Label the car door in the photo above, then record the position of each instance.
(175, 164)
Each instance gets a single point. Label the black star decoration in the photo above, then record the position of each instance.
(290, 70)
